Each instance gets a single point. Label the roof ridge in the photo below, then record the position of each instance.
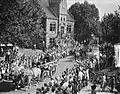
(53, 12)
(70, 14)
(49, 13)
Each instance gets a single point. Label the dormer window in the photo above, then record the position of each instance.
(53, 27)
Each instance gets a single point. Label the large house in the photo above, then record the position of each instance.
(58, 22)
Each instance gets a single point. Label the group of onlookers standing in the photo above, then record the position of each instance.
(113, 82)
(14, 61)
(69, 82)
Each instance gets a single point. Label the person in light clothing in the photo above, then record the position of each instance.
(65, 85)
(103, 82)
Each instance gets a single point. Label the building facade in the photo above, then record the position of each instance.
(58, 22)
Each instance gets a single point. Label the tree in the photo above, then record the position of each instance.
(86, 20)
(22, 22)
(110, 25)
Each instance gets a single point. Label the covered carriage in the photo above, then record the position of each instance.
(5, 51)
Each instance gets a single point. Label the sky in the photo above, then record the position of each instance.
(104, 6)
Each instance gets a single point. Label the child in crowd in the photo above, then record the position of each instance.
(93, 89)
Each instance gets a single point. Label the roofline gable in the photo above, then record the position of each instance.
(54, 12)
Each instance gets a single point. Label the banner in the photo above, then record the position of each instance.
(117, 55)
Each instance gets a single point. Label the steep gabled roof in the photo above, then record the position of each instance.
(70, 18)
(44, 3)
(33, 3)
(49, 12)
(54, 1)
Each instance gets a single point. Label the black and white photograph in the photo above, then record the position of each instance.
(59, 46)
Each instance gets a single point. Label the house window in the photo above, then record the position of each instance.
(69, 28)
(62, 29)
(52, 27)
(52, 41)
(64, 19)
(61, 19)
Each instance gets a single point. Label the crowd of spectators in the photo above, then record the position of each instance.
(67, 83)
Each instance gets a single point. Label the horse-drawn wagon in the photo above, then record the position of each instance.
(24, 75)
(6, 51)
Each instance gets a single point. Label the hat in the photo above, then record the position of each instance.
(93, 86)
(38, 89)
(45, 84)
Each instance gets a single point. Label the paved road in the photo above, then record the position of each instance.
(63, 64)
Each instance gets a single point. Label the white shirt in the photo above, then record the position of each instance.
(8, 53)
(52, 82)
(65, 85)
(104, 78)
(52, 93)
(3, 71)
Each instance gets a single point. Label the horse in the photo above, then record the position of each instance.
(59, 56)
(36, 73)
(26, 76)
(17, 80)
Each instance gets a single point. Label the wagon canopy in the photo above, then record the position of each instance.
(2, 45)
(9, 44)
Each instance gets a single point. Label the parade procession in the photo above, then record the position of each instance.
(59, 47)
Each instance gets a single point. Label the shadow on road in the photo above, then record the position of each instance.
(6, 86)
(88, 90)
(69, 60)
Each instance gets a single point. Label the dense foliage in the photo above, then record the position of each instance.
(21, 22)
(110, 35)
(106, 32)
(110, 25)
(86, 17)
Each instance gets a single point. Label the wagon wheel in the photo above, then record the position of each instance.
(53, 70)
(45, 75)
